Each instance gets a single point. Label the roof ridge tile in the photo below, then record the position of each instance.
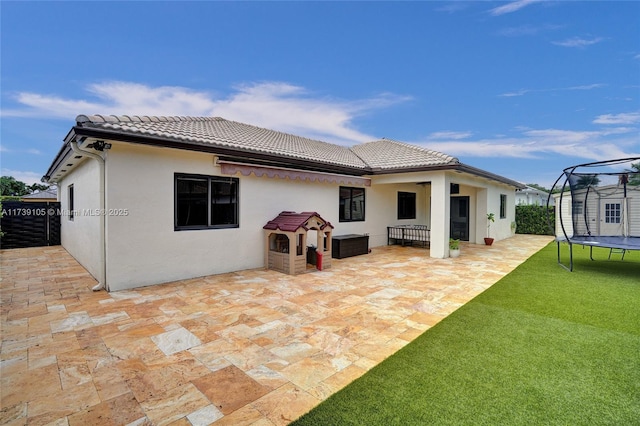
(100, 118)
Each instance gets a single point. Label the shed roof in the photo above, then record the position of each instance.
(292, 221)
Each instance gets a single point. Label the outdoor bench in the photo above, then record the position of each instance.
(408, 235)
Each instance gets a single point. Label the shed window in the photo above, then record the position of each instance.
(406, 205)
(205, 202)
(351, 204)
(576, 207)
(612, 212)
(503, 206)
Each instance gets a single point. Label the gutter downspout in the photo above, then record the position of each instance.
(102, 281)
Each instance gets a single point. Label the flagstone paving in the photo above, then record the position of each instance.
(252, 347)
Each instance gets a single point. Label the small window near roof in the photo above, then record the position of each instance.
(406, 205)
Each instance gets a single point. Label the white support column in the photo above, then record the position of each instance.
(440, 214)
(482, 209)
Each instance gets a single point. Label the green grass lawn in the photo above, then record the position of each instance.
(543, 346)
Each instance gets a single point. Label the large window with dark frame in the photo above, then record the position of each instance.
(406, 205)
(206, 202)
(351, 204)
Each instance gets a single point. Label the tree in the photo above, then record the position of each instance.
(585, 181)
(38, 187)
(10, 186)
(634, 174)
(538, 187)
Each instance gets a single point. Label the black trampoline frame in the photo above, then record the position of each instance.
(623, 243)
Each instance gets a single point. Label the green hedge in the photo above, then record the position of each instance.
(10, 198)
(533, 220)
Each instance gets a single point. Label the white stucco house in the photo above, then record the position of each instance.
(157, 199)
(532, 196)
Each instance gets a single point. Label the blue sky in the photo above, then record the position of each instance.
(522, 89)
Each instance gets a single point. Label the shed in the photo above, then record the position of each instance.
(286, 241)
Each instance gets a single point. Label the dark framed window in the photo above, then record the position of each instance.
(70, 201)
(206, 202)
(406, 205)
(351, 204)
(503, 206)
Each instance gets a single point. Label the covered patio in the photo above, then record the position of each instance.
(251, 347)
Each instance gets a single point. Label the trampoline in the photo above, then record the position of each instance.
(598, 206)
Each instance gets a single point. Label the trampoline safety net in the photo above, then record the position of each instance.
(599, 206)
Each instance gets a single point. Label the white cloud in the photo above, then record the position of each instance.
(27, 177)
(452, 7)
(578, 42)
(527, 30)
(622, 118)
(267, 104)
(618, 142)
(290, 108)
(512, 7)
(273, 104)
(450, 135)
(523, 92)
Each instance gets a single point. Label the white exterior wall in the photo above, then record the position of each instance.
(81, 236)
(501, 228)
(382, 211)
(144, 249)
(532, 197)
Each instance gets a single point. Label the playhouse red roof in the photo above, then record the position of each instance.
(292, 221)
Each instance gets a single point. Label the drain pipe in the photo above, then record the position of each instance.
(102, 281)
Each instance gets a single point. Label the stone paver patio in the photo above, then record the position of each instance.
(251, 347)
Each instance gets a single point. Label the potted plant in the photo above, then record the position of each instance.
(454, 247)
(490, 218)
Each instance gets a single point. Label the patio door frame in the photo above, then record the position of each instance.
(459, 217)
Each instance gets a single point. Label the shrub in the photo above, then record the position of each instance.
(533, 219)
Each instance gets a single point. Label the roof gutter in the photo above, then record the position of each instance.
(102, 280)
(453, 167)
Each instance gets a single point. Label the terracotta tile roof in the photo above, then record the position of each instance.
(218, 132)
(390, 154)
(231, 138)
(292, 221)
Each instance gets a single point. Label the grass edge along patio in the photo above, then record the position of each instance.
(541, 346)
